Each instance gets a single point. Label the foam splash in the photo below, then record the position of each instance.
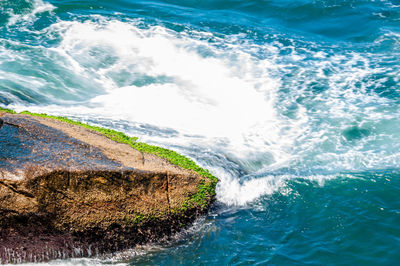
(38, 6)
(235, 191)
(229, 95)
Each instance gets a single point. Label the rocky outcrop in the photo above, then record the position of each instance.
(68, 191)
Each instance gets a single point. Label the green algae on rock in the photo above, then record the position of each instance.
(68, 186)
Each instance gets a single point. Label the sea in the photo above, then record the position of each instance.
(293, 104)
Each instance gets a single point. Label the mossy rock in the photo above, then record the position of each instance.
(69, 189)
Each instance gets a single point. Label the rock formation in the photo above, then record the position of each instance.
(68, 191)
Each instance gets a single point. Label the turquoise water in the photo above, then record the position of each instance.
(294, 105)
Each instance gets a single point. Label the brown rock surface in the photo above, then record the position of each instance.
(66, 191)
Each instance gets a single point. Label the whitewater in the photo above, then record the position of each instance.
(293, 105)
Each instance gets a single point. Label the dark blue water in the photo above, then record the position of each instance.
(294, 105)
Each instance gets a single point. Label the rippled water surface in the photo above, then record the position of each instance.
(293, 105)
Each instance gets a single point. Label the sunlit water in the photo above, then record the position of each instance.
(293, 105)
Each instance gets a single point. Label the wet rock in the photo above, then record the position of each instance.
(66, 191)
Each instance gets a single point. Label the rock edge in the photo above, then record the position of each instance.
(68, 191)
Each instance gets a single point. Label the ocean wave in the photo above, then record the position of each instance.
(28, 14)
(266, 106)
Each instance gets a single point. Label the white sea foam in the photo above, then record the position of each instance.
(233, 192)
(38, 6)
(229, 95)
